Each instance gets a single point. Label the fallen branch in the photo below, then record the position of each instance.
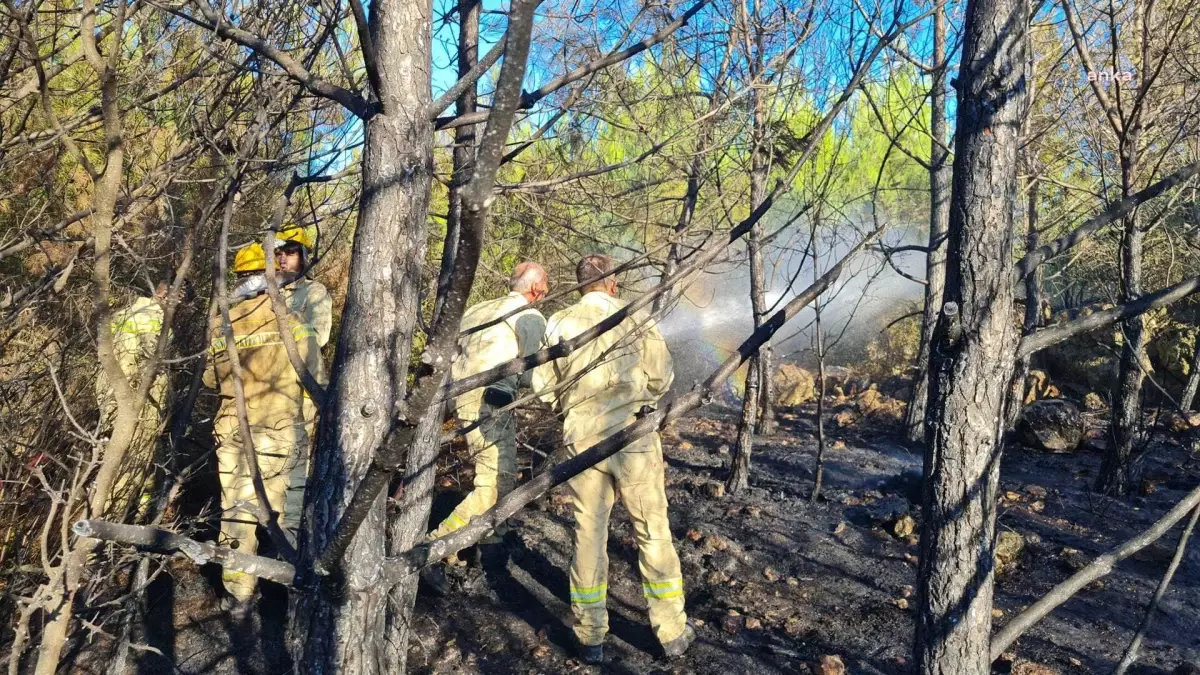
(1132, 651)
(1099, 567)
(1052, 335)
(158, 540)
(1118, 210)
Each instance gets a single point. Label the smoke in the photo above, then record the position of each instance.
(714, 315)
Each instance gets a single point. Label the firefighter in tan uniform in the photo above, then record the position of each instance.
(279, 411)
(604, 385)
(491, 435)
(135, 332)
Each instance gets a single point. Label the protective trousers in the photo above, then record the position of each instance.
(493, 445)
(282, 455)
(131, 491)
(635, 474)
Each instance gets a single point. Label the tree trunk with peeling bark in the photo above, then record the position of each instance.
(939, 216)
(974, 347)
(338, 621)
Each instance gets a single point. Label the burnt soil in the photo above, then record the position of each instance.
(774, 582)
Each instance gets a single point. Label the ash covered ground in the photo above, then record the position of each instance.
(775, 583)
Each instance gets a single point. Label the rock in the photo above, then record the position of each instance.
(770, 574)
(1093, 402)
(794, 386)
(1036, 491)
(846, 416)
(904, 526)
(1038, 387)
(714, 490)
(1009, 546)
(1179, 423)
(838, 445)
(716, 578)
(733, 622)
(753, 623)
(793, 627)
(873, 404)
(840, 527)
(1072, 559)
(1054, 425)
(907, 591)
(793, 581)
(716, 543)
(724, 562)
(902, 603)
(997, 613)
(831, 665)
(887, 511)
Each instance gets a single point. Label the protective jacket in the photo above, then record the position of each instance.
(135, 330)
(603, 385)
(278, 410)
(491, 435)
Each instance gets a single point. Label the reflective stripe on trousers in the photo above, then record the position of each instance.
(493, 447)
(636, 473)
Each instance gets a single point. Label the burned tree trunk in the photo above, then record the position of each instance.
(974, 347)
(1193, 381)
(819, 349)
(757, 412)
(1033, 303)
(338, 621)
(1127, 398)
(464, 143)
(939, 217)
(739, 471)
(765, 421)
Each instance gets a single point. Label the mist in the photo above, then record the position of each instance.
(714, 314)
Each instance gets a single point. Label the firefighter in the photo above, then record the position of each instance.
(135, 331)
(604, 384)
(491, 435)
(279, 411)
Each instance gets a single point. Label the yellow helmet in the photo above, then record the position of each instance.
(250, 259)
(296, 234)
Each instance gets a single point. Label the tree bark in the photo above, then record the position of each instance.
(1127, 398)
(338, 622)
(939, 217)
(739, 470)
(974, 347)
(757, 414)
(819, 345)
(464, 143)
(1033, 301)
(1193, 381)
